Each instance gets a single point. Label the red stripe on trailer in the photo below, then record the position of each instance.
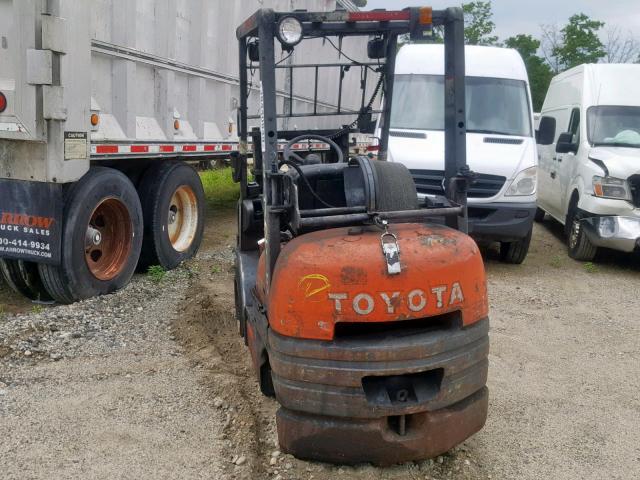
(166, 148)
(188, 148)
(107, 149)
(209, 148)
(139, 148)
(227, 148)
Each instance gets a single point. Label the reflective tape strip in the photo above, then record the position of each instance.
(105, 149)
(189, 148)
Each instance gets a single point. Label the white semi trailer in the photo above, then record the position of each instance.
(101, 104)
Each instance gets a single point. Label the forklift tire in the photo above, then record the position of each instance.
(539, 215)
(515, 252)
(172, 199)
(240, 315)
(579, 246)
(266, 381)
(24, 278)
(101, 238)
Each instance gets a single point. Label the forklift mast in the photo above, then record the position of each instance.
(257, 39)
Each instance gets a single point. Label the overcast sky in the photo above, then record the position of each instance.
(525, 16)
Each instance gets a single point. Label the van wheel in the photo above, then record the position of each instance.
(23, 278)
(172, 200)
(579, 245)
(101, 238)
(539, 215)
(515, 252)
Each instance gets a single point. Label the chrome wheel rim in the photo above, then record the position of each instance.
(182, 218)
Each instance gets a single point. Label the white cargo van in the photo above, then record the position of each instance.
(501, 148)
(589, 147)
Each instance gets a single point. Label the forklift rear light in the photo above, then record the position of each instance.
(379, 16)
(3, 102)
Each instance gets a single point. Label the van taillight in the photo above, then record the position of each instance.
(3, 102)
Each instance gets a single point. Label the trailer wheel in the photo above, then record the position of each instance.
(172, 200)
(24, 278)
(102, 237)
(515, 252)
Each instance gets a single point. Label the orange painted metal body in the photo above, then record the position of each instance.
(340, 275)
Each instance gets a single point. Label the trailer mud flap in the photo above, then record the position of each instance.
(30, 221)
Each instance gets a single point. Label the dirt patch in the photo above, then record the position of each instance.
(207, 329)
(10, 303)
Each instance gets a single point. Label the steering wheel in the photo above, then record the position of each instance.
(288, 153)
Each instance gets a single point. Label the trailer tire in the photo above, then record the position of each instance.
(101, 238)
(24, 278)
(172, 199)
(515, 252)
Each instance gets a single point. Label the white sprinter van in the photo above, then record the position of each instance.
(589, 154)
(501, 148)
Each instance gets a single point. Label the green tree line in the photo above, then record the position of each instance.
(559, 47)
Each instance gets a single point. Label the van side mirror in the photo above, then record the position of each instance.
(546, 131)
(565, 143)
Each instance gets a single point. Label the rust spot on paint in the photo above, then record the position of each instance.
(353, 276)
(436, 239)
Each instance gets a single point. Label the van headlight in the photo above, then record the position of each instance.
(524, 184)
(610, 187)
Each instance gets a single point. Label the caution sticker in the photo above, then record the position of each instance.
(75, 145)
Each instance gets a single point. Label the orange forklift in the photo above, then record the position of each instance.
(364, 308)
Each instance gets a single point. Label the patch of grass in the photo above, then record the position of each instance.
(215, 269)
(219, 188)
(2, 312)
(590, 267)
(156, 273)
(37, 309)
(556, 261)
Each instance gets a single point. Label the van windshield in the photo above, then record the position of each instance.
(494, 105)
(614, 125)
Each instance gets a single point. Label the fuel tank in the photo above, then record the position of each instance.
(340, 276)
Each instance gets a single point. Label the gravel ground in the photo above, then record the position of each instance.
(153, 381)
(101, 390)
